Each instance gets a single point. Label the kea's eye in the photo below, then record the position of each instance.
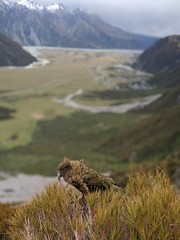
(64, 168)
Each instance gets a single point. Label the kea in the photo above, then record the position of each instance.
(83, 178)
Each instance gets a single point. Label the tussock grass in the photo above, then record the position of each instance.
(147, 209)
(152, 208)
(6, 211)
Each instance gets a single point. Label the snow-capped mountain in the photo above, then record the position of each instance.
(36, 6)
(30, 4)
(30, 23)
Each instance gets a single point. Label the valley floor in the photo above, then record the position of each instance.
(30, 90)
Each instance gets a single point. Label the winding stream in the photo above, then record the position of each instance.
(122, 108)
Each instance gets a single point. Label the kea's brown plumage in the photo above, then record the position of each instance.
(85, 179)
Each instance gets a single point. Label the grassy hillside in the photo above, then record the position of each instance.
(154, 137)
(152, 140)
(169, 79)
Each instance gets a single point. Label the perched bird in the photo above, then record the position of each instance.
(85, 179)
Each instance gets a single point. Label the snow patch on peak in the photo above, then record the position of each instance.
(30, 5)
(56, 6)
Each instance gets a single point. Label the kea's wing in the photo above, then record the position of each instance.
(95, 181)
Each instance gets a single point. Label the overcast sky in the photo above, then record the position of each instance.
(150, 17)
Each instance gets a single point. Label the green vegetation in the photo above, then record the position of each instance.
(154, 140)
(162, 134)
(120, 96)
(169, 79)
(148, 208)
(6, 113)
(169, 100)
(75, 135)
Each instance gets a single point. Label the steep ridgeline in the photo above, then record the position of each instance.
(12, 54)
(162, 56)
(29, 23)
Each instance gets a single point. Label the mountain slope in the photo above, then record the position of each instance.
(162, 59)
(162, 56)
(156, 137)
(167, 79)
(32, 24)
(12, 54)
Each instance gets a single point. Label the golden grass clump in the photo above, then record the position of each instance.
(152, 208)
(6, 212)
(148, 209)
